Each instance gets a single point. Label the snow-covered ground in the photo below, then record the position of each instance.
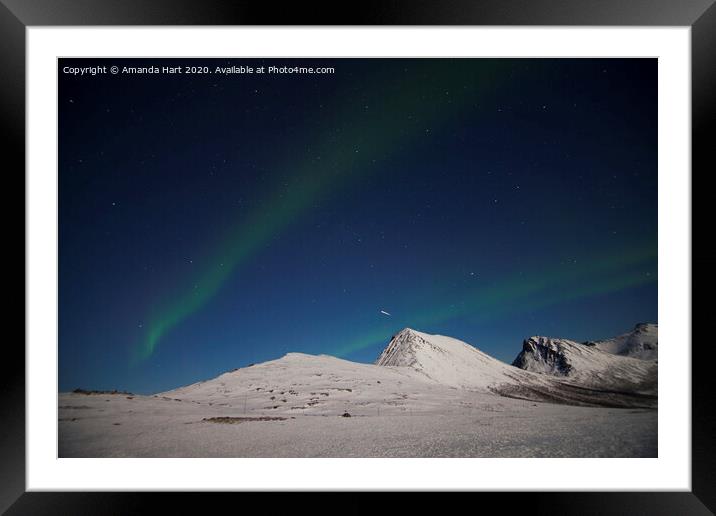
(426, 396)
(469, 425)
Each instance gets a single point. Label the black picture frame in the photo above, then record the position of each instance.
(699, 15)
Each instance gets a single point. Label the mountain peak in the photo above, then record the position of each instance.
(444, 360)
(400, 351)
(544, 355)
(642, 342)
(645, 326)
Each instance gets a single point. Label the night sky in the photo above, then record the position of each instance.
(207, 222)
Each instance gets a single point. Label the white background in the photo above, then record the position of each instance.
(671, 470)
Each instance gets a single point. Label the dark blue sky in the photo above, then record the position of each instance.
(211, 221)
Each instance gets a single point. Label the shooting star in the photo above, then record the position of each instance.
(385, 313)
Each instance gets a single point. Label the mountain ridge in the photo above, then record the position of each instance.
(412, 362)
(624, 362)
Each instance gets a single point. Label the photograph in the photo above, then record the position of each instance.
(408, 247)
(357, 257)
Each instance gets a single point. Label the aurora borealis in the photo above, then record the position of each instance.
(212, 221)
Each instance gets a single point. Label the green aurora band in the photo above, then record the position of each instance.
(366, 137)
(352, 147)
(541, 288)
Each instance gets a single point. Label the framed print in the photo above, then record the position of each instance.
(418, 248)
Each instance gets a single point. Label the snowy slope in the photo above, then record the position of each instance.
(308, 384)
(616, 364)
(642, 342)
(447, 361)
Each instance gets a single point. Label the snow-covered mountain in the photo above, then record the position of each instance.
(299, 383)
(447, 361)
(416, 370)
(625, 363)
(642, 342)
